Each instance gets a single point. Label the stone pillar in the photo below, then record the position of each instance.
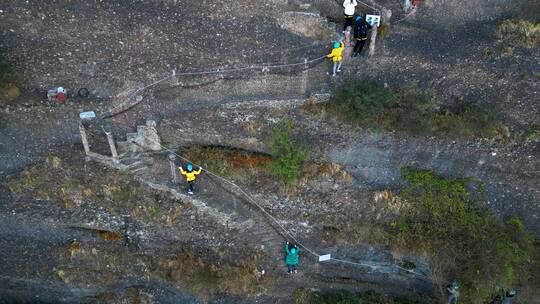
(84, 138)
(173, 168)
(110, 139)
(372, 40)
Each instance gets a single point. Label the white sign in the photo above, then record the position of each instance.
(323, 258)
(87, 115)
(373, 20)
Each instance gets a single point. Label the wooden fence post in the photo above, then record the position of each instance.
(110, 139)
(84, 138)
(372, 40)
(305, 76)
(173, 167)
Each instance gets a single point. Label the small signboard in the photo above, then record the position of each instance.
(323, 258)
(87, 115)
(373, 20)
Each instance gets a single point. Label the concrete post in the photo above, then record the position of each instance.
(407, 5)
(110, 139)
(386, 15)
(347, 38)
(305, 77)
(173, 167)
(372, 40)
(84, 139)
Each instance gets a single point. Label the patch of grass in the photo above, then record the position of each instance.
(109, 235)
(362, 101)
(370, 104)
(228, 162)
(209, 275)
(463, 239)
(383, 31)
(321, 171)
(244, 165)
(488, 53)
(4, 74)
(100, 265)
(8, 88)
(532, 134)
(289, 154)
(526, 32)
(306, 296)
(469, 121)
(64, 183)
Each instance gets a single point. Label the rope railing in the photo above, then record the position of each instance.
(282, 230)
(265, 67)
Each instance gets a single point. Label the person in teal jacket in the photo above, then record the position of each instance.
(291, 258)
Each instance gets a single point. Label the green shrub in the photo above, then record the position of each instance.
(526, 32)
(532, 134)
(464, 239)
(412, 112)
(362, 101)
(290, 156)
(237, 164)
(370, 103)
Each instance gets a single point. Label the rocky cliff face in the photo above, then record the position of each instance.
(112, 47)
(374, 159)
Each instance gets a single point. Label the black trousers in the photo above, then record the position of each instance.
(190, 185)
(291, 268)
(348, 22)
(359, 46)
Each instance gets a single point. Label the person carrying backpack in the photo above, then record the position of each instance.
(509, 296)
(336, 56)
(453, 292)
(361, 28)
(349, 6)
(191, 175)
(291, 257)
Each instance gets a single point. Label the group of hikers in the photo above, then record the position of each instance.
(360, 28)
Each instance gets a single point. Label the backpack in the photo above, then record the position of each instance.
(361, 30)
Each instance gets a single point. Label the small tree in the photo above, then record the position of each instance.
(290, 156)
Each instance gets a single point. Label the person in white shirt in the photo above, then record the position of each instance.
(349, 6)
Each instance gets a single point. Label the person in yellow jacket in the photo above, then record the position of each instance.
(191, 175)
(337, 57)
